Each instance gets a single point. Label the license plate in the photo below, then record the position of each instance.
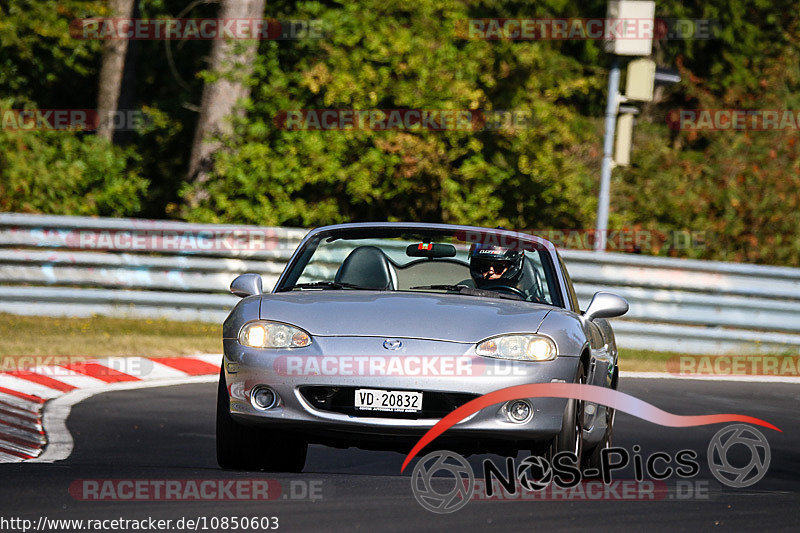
(386, 400)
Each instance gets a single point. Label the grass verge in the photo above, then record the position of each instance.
(644, 360)
(103, 336)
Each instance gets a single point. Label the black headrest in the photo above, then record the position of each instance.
(366, 266)
(530, 281)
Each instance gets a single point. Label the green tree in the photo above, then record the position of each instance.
(390, 55)
(43, 67)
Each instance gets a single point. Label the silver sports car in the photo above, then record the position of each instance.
(375, 331)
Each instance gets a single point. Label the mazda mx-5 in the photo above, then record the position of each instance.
(375, 331)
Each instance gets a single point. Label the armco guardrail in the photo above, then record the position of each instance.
(78, 266)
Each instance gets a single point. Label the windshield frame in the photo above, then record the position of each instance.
(308, 246)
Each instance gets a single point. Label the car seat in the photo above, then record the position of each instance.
(368, 267)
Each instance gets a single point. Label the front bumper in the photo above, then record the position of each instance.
(420, 365)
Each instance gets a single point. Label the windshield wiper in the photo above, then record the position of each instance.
(456, 288)
(329, 285)
(470, 291)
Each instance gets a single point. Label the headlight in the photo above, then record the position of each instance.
(518, 348)
(264, 334)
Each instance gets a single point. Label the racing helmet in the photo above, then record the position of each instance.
(492, 266)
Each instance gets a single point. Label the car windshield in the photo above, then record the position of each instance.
(422, 261)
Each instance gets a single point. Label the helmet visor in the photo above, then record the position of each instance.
(487, 268)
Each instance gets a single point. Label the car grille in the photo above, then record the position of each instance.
(342, 399)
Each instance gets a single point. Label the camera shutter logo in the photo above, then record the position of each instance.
(460, 482)
(534, 473)
(719, 461)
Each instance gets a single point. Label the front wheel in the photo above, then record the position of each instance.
(242, 447)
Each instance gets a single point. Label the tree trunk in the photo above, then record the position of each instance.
(111, 71)
(219, 97)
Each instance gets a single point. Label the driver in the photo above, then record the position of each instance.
(495, 266)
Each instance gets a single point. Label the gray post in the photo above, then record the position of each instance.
(608, 157)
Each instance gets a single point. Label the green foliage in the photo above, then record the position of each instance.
(741, 188)
(389, 55)
(748, 35)
(64, 173)
(39, 61)
(42, 66)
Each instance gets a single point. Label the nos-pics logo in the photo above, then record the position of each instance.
(444, 482)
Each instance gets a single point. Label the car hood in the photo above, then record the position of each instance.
(447, 317)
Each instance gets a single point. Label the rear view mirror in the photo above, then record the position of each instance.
(606, 305)
(247, 285)
(431, 250)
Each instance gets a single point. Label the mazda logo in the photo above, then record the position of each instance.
(392, 344)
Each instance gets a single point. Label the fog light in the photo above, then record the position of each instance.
(263, 398)
(519, 411)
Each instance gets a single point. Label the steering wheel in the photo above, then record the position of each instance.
(512, 290)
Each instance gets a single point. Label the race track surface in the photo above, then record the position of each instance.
(168, 433)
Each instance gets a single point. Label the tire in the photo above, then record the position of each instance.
(570, 439)
(242, 447)
(593, 458)
(541, 448)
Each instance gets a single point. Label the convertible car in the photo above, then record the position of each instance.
(375, 331)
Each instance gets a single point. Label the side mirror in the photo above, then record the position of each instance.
(247, 285)
(606, 305)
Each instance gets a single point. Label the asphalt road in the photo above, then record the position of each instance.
(168, 433)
